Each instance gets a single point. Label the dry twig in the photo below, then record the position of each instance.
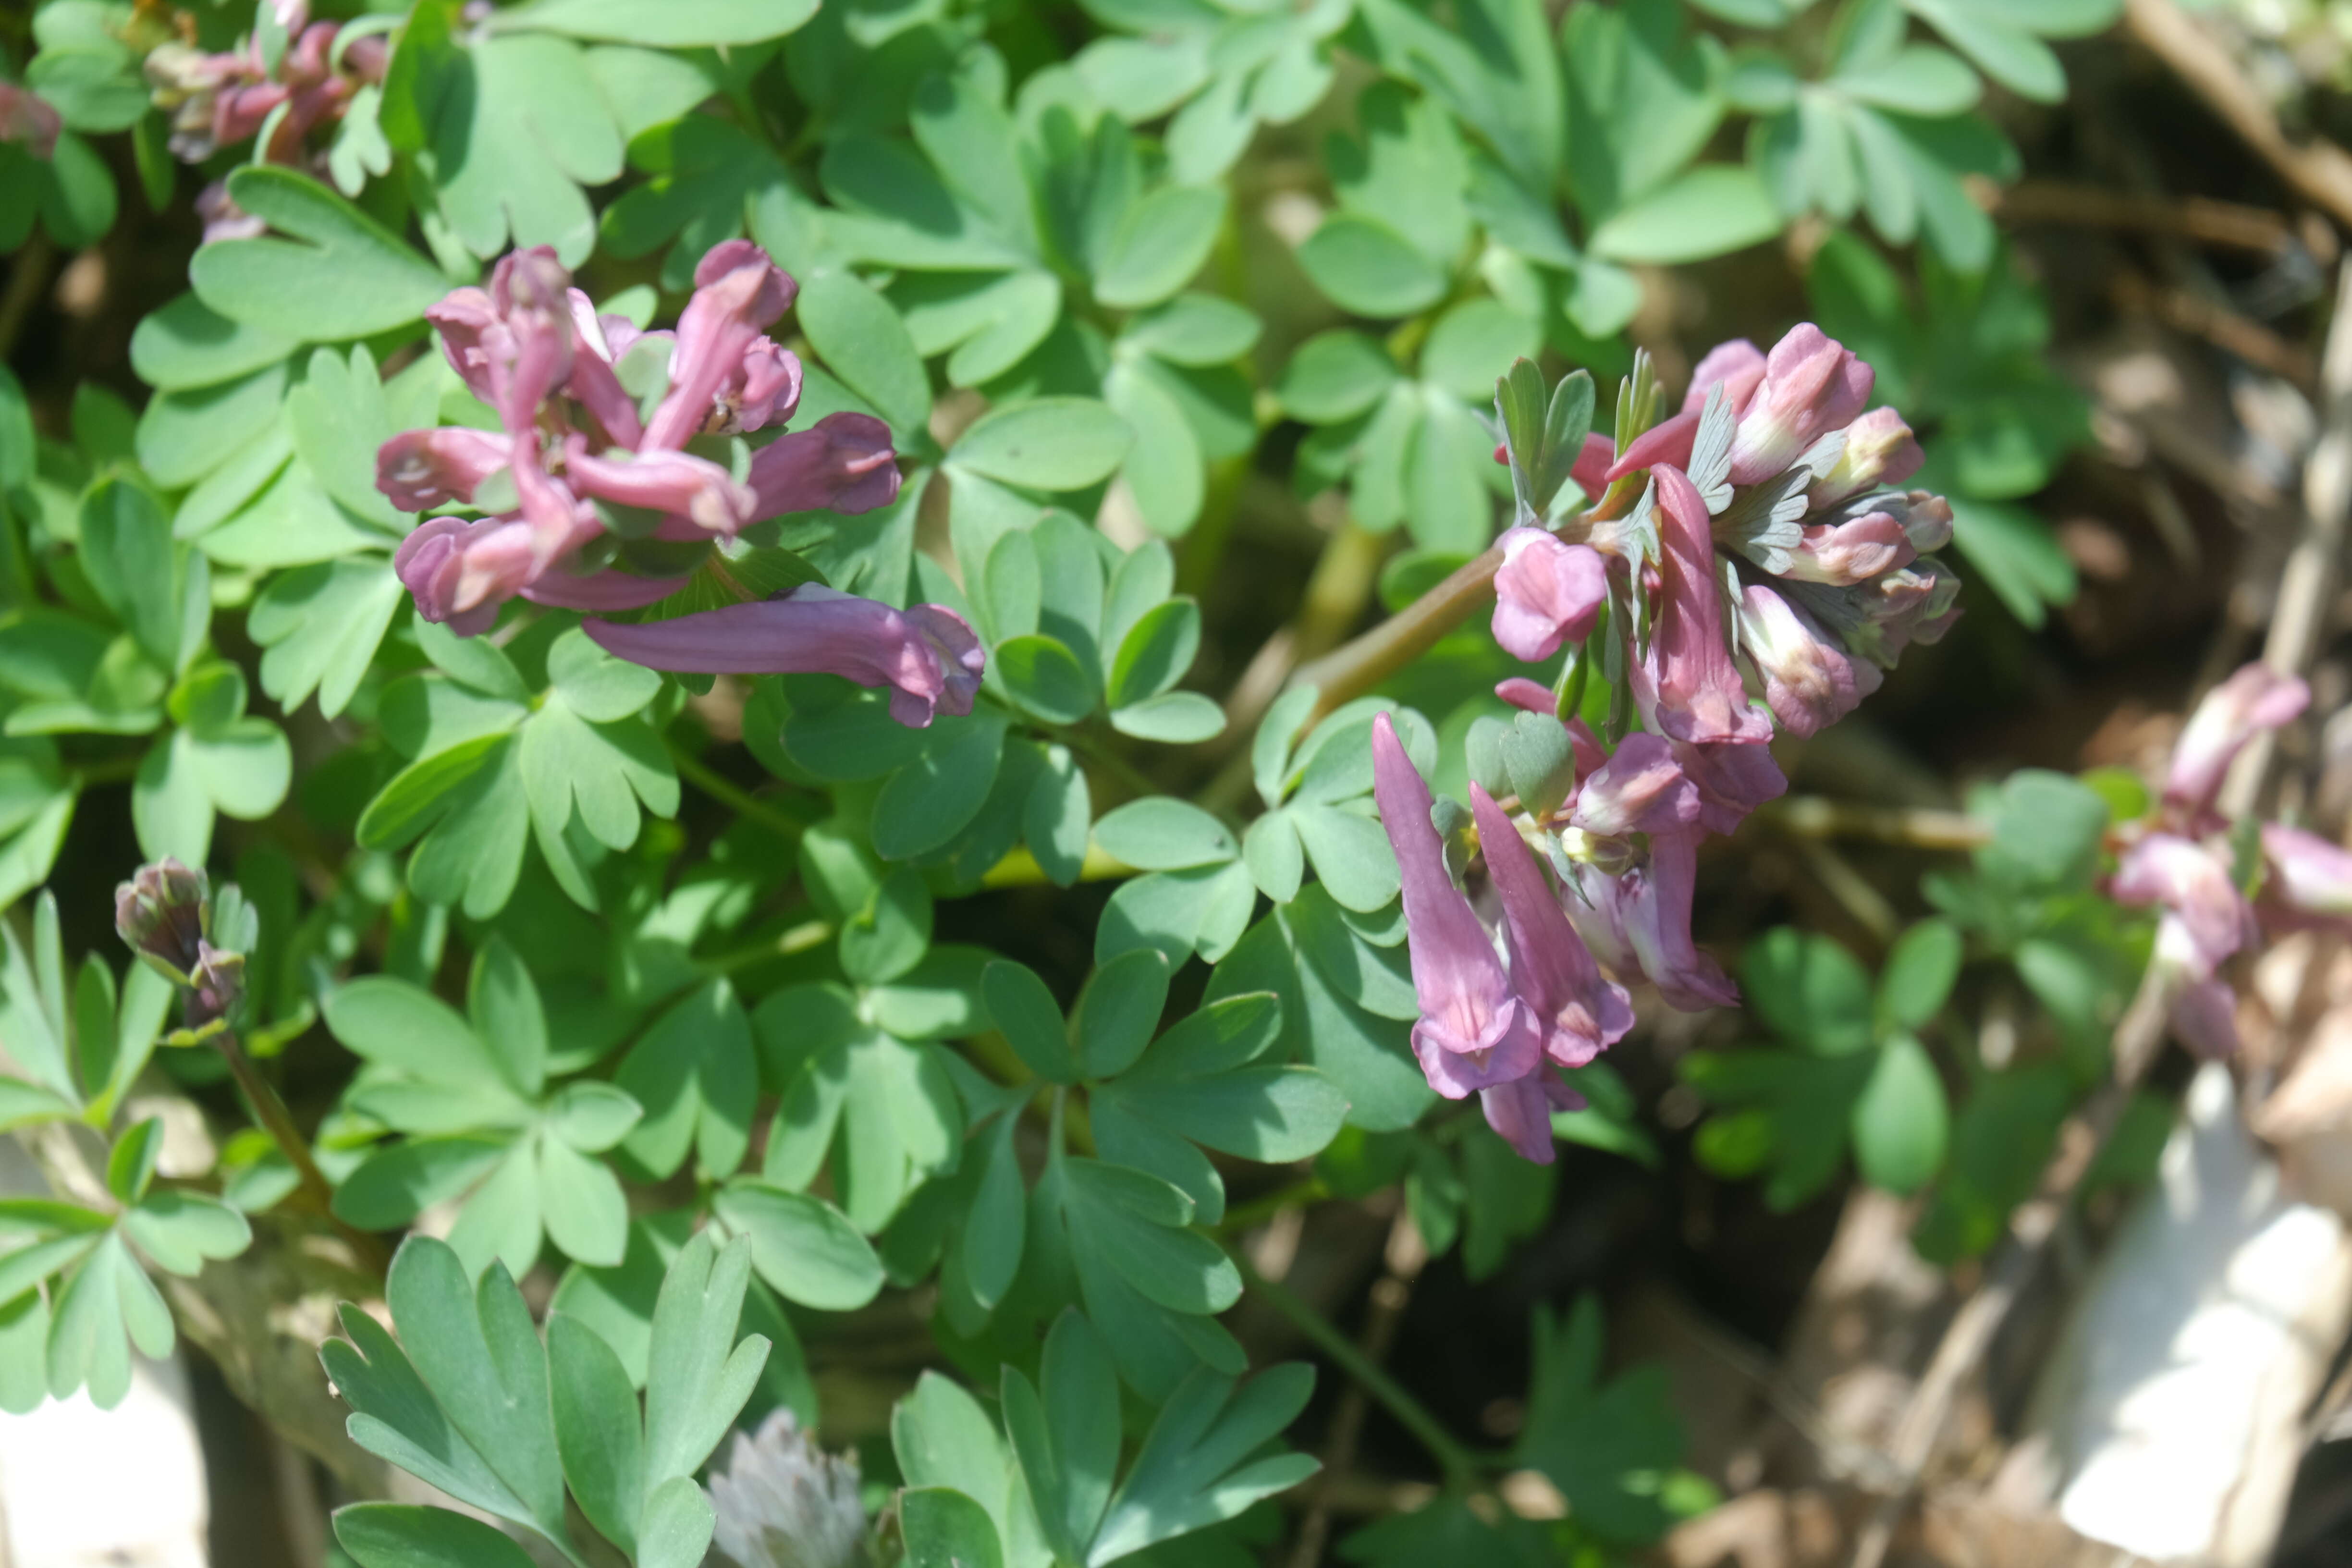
(2318, 170)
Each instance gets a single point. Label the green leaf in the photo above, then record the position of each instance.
(1119, 1010)
(866, 344)
(583, 1205)
(697, 1376)
(1045, 443)
(2017, 554)
(945, 1529)
(707, 22)
(592, 1117)
(1334, 375)
(803, 1246)
(1155, 654)
(926, 803)
(1065, 1432)
(694, 1074)
(1195, 1469)
(1710, 210)
(2009, 55)
(1172, 718)
(1158, 245)
(1809, 990)
(677, 1526)
(1160, 833)
(340, 275)
(403, 1535)
(1368, 269)
(1135, 1224)
(1194, 330)
(319, 627)
(1025, 1013)
(1607, 1448)
(1473, 343)
(1045, 679)
(2046, 829)
(479, 1354)
(404, 1027)
(1918, 976)
(129, 555)
(597, 1428)
(1903, 1120)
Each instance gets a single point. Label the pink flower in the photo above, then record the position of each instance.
(1638, 922)
(1547, 593)
(1879, 450)
(842, 463)
(420, 469)
(2256, 697)
(1812, 385)
(1474, 1031)
(1852, 551)
(1809, 681)
(2309, 876)
(533, 347)
(1738, 364)
(1689, 680)
(1579, 1012)
(1640, 789)
(926, 655)
(738, 294)
(1733, 780)
(1521, 1110)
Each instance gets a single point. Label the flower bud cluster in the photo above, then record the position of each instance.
(618, 467)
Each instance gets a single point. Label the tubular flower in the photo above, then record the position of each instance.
(2180, 860)
(926, 655)
(573, 465)
(1810, 679)
(216, 100)
(1487, 1026)
(2256, 697)
(1475, 1031)
(1690, 682)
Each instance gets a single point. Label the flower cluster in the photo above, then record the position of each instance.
(165, 915)
(1770, 571)
(2183, 860)
(216, 100)
(618, 469)
(783, 1502)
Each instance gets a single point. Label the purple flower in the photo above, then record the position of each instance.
(1521, 1112)
(926, 655)
(1640, 789)
(674, 483)
(1880, 451)
(738, 294)
(2256, 697)
(420, 469)
(533, 347)
(1547, 593)
(1474, 1031)
(2192, 884)
(1733, 780)
(433, 564)
(2310, 878)
(842, 463)
(1812, 385)
(1810, 679)
(1580, 1013)
(1689, 680)
(1638, 922)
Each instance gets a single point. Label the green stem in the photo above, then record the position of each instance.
(728, 792)
(278, 1122)
(1461, 1464)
